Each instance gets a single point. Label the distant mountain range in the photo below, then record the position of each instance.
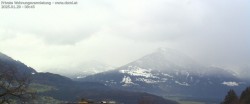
(171, 73)
(65, 89)
(83, 69)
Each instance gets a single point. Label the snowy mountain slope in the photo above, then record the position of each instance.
(167, 72)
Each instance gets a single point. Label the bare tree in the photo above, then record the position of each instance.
(14, 86)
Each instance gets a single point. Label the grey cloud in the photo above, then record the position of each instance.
(6, 34)
(161, 21)
(64, 37)
(211, 31)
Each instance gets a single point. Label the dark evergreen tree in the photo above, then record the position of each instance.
(245, 96)
(231, 98)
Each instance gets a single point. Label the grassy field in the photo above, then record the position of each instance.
(41, 88)
(190, 102)
(181, 101)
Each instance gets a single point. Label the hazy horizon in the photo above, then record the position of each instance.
(212, 32)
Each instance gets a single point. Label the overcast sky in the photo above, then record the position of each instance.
(213, 32)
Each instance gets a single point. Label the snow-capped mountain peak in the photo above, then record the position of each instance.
(166, 59)
(169, 72)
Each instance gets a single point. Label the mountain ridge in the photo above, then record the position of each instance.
(65, 89)
(8, 62)
(163, 73)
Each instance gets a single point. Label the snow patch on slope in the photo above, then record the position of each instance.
(183, 83)
(127, 81)
(165, 74)
(148, 80)
(137, 71)
(231, 84)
